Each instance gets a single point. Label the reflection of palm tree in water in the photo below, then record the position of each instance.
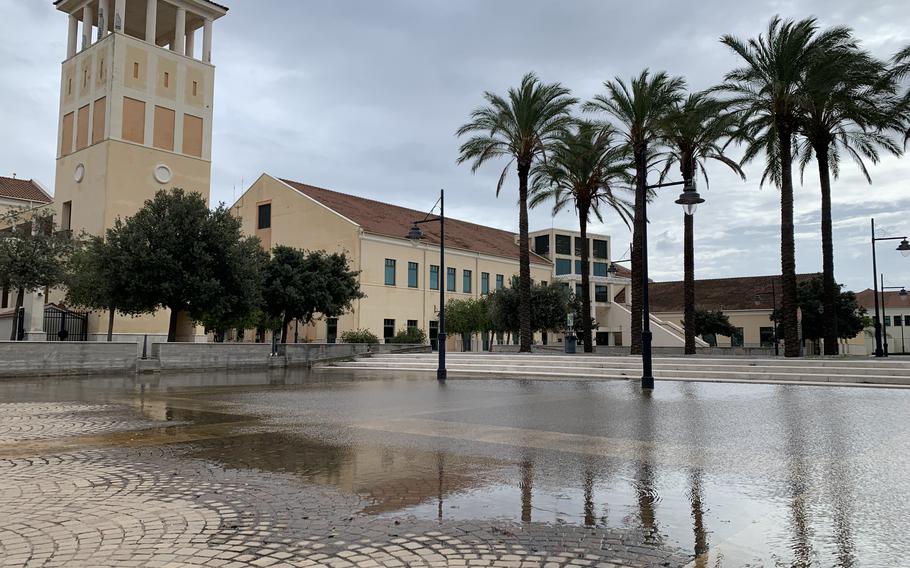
(797, 479)
(440, 468)
(590, 519)
(644, 478)
(527, 486)
(840, 490)
(695, 430)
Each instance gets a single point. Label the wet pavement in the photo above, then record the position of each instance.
(295, 468)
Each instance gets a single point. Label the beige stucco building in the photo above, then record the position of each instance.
(135, 117)
(894, 307)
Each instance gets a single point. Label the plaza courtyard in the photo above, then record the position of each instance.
(332, 468)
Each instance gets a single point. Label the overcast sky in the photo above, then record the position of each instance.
(364, 97)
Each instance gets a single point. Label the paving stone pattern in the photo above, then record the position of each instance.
(161, 507)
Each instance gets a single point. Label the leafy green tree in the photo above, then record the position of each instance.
(712, 322)
(851, 317)
(550, 306)
(300, 284)
(181, 256)
(467, 317)
(33, 256)
(242, 305)
(638, 109)
(768, 89)
(587, 171)
(522, 126)
(694, 131)
(846, 110)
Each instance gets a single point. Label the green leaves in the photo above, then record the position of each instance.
(33, 255)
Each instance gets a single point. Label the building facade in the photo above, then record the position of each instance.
(135, 117)
(894, 307)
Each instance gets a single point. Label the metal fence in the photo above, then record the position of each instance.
(65, 325)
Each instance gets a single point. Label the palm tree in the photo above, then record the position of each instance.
(768, 89)
(638, 109)
(694, 132)
(846, 109)
(584, 169)
(522, 127)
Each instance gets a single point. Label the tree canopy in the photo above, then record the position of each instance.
(811, 295)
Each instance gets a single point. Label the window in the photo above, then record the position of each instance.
(390, 272)
(766, 336)
(542, 244)
(736, 340)
(195, 88)
(563, 266)
(412, 325)
(167, 79)
(898, 320)
(563, 244)
(600, 294)
(165, 125)
(906, 321)
(467, 278)
(578, 290)
(66, 216)
(69, 86)
(331, 330)
(434, 277)
(264, 219)
(135, 70)
(500, 281)
(484, 282)
(887, 321)
(600, 268)
(412, 274)
(434, 335)
(600, 248)
(450, 279)
(388, 329)
(577, 267)
(578, 248)
(84, 77)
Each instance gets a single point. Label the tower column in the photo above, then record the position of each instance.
(151, 21)
(88, 21)
(119, 15)
(207, 41)
(71, 40)
(190, 42)
(179, 43)
(104, 18)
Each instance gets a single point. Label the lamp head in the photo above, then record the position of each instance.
(689, 198)
(904, 248)
(415, 234)
(903, 292)
(611, 270)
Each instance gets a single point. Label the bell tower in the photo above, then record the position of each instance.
(135, 113)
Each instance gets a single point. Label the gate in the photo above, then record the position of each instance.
(64, 325)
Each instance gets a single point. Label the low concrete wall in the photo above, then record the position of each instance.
(53, 358)
(172, 356)
(311, 353)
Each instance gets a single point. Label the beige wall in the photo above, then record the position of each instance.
(750, 320)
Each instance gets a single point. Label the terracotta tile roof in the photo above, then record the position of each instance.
(24, 190)
(893, 299)
(742, 293)
(389, 220)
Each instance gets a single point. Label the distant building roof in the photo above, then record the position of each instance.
(893, 299)
(741, 293)
(23, 190)
(389, 220)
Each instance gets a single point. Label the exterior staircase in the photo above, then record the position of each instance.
(855, 371)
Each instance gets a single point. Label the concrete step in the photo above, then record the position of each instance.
(753, 374)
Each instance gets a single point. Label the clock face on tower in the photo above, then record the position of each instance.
(162, 173)
(79, 173)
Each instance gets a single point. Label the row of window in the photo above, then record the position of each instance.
(898, 320)
(564, 246)
(467, 278)
(601, 293)
(564, 266)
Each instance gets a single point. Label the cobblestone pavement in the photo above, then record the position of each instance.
(161, 506)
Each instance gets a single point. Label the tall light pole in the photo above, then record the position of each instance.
(416, 234)
(904, 248)
(903, 292)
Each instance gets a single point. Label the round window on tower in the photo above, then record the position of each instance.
(79, 173)
(162, 173)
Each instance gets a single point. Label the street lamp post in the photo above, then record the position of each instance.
(416, 234)
(904, 248)
(689, 199)
(903, 292)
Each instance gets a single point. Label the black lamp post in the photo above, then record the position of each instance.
(415, 234)
(902, 293)
(904, 248)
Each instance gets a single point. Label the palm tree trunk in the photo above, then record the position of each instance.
(829, 299)
(585, 279)
(787, 245)
(689, 283)
(172, 326)
(110, 325)
(638, 229)
(20, 299)
(524, 260)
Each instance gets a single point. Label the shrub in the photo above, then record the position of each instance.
(359, 336)
(410, 335)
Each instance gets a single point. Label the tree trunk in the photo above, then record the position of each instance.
(585, 279)
(110, 325)
(689, 283)
(172, 326)
(789, 303)
(829, 284)
(524, 261)
(20, 299)
(285, 323)
(638, 228)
